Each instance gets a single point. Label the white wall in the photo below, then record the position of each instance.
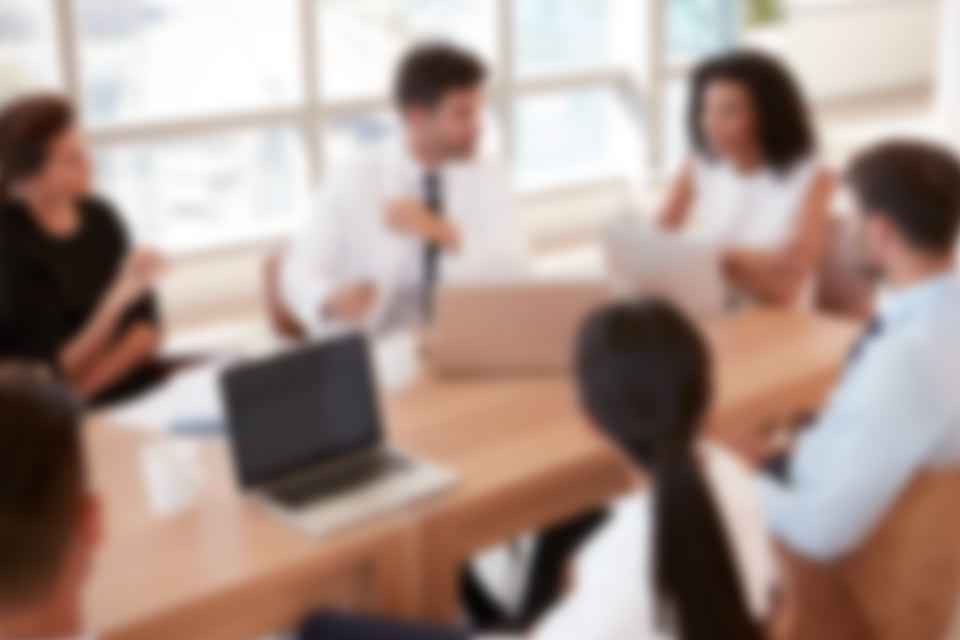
(948, 78)
(862, 47)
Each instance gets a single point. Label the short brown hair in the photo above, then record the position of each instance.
(27, 127)
(916, 185)
(429, 71)
(42, 482)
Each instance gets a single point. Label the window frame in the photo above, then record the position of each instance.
(642, 86)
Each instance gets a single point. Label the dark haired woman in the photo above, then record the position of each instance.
(754, 185)
(72, 292)
(687, 556)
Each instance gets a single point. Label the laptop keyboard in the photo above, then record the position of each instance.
(329, 483)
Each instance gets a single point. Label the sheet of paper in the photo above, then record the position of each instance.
(191, 395)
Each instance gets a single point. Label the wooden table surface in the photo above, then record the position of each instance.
(524, 456)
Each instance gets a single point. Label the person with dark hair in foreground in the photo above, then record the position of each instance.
(400, 217)
(897, 410)
(50, 523)
(73, 294)
(687, 555)
(754, 186)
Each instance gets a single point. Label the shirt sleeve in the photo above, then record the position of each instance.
(307, 273)
(850, 468)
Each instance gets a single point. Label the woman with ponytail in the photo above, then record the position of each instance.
(73, 293)
(687, 556)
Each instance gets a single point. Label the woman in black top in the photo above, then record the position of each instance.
(72, 292)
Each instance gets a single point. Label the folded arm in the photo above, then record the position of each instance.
(777, 276)
(136, 346)
(84, 349)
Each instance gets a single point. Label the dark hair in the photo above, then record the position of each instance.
(784, 128)
(27, 127)
(644, 378)
(42, 480)
(430, 71)
(916, 185)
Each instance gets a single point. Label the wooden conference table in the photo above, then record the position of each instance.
(225, 569)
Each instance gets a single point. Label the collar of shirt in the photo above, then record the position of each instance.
(899, 306)
(409, 169)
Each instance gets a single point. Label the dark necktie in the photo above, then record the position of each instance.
(873, 330)
(433, 198)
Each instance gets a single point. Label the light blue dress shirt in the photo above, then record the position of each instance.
(896, 411)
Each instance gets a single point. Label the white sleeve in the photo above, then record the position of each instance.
(307, 276)
(493, 246)
(594, 610)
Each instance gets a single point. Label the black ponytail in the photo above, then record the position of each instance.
(644, 375)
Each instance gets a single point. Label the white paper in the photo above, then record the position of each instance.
(193, 394)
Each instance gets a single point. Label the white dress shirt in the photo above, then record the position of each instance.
(613, 596)
(896, 411)
(348, 239)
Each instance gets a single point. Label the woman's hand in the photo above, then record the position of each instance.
(97, 356)
(138, 273)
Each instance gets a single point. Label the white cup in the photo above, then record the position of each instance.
(173, 475)
(396, 360)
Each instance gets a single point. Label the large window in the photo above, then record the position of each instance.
(27, 46)
(212, 120)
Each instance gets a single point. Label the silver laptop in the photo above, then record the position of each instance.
(650, 262)
(308, 442)
(510, 328)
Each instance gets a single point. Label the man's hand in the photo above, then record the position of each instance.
(351, 303)
(409, 215)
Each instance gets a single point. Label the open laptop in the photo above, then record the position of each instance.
(651, 262)
(308, 442)
(510, 328)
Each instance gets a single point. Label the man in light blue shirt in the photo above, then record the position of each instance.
(897, 409)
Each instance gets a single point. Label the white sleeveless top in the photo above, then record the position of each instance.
(759, 210)
(613, 597)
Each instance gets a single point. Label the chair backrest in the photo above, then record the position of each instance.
(903, 582)
(906, 577)
(841, 288)
(818, 603)
(282, 321)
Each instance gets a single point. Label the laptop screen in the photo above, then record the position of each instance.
(293, 410)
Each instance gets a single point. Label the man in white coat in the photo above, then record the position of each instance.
(407, 214)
